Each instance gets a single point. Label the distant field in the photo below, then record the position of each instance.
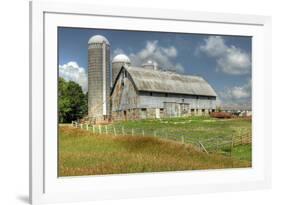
(83, 152)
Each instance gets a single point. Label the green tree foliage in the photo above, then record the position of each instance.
(72, 101)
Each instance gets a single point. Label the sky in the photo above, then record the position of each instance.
(223, 61)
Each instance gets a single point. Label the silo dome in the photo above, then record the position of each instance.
(98, 39)
(121, 58)
(117, 63)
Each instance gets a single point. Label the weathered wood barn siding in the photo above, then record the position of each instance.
(193, 103)
(125, 99)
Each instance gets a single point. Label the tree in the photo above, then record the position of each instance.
(72, 101)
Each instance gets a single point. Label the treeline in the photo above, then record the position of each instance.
(72, 101)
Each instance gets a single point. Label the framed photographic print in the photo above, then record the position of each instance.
(127, 103)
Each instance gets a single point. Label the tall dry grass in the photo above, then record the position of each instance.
(84, 153)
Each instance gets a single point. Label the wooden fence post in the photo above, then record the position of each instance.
(87, 127)
(99, 129)
(114, 130)
(132, 131)
(232, 144)
(217, 145)
(182, 139)
(94, 129)
(142, 132)
(123, 130)
(81, 125)
(106, 129)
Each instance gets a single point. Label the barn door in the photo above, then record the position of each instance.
(157, 113)
(125, 114)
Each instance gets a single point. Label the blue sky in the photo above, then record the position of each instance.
(224, 61)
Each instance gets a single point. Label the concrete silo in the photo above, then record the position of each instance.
(98, 78)
(117, 63)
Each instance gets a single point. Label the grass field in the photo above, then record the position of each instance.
(83, 152)
(243, 152)
(192, 127)
(214, 134)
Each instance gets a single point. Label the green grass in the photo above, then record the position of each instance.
(211, 132)
(242, 152)
(193, 127)
(85, 153)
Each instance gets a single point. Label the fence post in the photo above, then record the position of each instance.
(94, 130)
(123, 130)
(81, 125)
(182, 139)
(106, 129)
(132, 131)
(99, 129)
(154, 133)
(114, 130)
(232, 144)
(87, 127)
(142, 132)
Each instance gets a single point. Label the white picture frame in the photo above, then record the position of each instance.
(46, 187)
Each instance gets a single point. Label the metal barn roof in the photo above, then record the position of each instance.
(169, 82)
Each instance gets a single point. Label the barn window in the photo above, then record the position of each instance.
(192, 110)
(203, 110)
(161, 109)
(143, 109)
(150, 93)
(166, 94)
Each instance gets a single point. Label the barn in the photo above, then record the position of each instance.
(148, 92)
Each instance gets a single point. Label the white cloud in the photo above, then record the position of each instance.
(71, 71)
(162, 56)
(213, 46)
(237, 95)
(118, 51)
(229, 59)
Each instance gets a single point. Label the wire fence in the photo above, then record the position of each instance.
(212, 144)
